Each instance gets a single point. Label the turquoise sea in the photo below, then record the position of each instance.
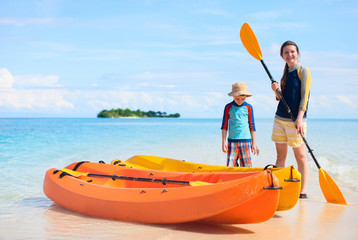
(30, 146)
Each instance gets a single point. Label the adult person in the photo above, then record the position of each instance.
(295, 86)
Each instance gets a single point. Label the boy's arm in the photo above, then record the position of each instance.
(254, 148)
(224, 127)
(223, 140)
(253, 137)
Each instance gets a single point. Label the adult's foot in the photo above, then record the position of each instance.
(303, 196)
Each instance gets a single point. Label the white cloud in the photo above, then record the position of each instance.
(14, 98)
(6, 79)
(201, 104)
(45, 97)
(264, 102)
(322, 101)
(349, 100)
(167, 86)
(45, 100)
(36, 81)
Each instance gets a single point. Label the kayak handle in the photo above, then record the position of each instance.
(272, 187)
(292, 179)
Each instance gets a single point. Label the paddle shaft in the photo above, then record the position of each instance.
(267, 71)
(164, 181)
(290, 112)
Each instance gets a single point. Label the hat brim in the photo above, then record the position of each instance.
(234, 94)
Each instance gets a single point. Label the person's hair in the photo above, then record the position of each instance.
(285, 70)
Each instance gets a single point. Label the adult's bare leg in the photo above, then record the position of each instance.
(302, 164)
(281, 150)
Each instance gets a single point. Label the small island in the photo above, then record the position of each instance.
(127, 113)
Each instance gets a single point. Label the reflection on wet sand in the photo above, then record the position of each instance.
(63, 224)
(308, 220)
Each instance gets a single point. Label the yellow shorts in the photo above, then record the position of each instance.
(285, 132)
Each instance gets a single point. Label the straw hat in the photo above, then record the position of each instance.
(240, 88)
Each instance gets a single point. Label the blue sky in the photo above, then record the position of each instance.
(66, 58)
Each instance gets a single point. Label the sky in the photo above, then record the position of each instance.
(64, 58)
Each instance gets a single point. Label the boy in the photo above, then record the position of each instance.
(238, 119)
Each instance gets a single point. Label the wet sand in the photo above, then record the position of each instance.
(309, 219)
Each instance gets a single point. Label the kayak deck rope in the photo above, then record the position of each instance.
(164, 181)
(119, 163)
(78, 165)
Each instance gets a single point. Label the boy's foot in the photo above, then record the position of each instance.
(303, 196)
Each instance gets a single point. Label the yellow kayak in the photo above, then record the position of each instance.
(289, 178)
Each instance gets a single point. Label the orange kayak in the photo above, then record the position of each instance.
(289, 178)
(153, 196)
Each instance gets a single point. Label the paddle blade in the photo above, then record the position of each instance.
(74, 173)
(249, 40)
(199, 183)
(330, 189)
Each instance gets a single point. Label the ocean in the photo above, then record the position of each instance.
(30, 146)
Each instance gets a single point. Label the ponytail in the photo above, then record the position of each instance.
(284, 77)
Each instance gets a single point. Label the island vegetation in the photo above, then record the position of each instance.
(118, 113)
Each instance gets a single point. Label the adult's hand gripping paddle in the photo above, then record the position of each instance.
(329, 188)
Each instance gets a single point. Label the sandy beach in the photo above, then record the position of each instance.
(309, 219)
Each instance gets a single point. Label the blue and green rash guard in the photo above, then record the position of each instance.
(239, 119)
(296, 92)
